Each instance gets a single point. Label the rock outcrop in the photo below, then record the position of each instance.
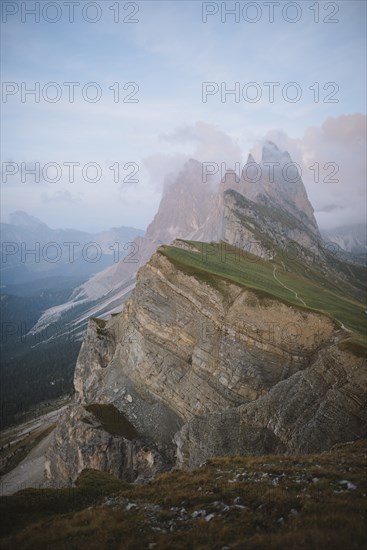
(205, 367)
(309, 412)
(81, 442)
(263, 227)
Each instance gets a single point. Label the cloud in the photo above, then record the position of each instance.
(206, 143)
(61, 196)
(335, 150)
(202, 141)
(162, 166)
(333, 161)
(330, 208)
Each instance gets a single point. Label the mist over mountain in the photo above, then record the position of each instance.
(231, 328)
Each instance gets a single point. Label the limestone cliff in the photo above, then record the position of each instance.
(310, 411)
(255, 227)
(200, 366)
(81, 442)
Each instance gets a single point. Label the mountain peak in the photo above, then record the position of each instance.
(23, 219)
(191, 164)
(230, 180)
(250, 159)
(272, 153)
(184, 207)
(280, 183)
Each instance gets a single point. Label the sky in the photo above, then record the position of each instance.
(150, 86)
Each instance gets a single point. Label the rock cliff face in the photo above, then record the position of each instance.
(194, 345)
(200, 369)
(310, 411)
(81, 442)
(185, 206)
(255, 228)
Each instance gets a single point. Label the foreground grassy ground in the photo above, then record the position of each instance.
(302, 286)
(267, 502)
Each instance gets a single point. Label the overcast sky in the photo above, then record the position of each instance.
(317, 110)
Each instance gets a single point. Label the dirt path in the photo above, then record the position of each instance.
(300, 299)
(287, 287)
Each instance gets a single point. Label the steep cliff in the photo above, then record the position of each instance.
(103, 440)
(310, 411)
(211, 355)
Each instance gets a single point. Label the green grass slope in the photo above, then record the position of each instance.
(285, 279)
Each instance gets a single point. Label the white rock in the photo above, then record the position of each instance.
(348, 484)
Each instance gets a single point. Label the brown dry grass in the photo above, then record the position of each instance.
(268, 502)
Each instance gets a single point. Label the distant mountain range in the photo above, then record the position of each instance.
(351, 238)
(31, 250)
(37, 273)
